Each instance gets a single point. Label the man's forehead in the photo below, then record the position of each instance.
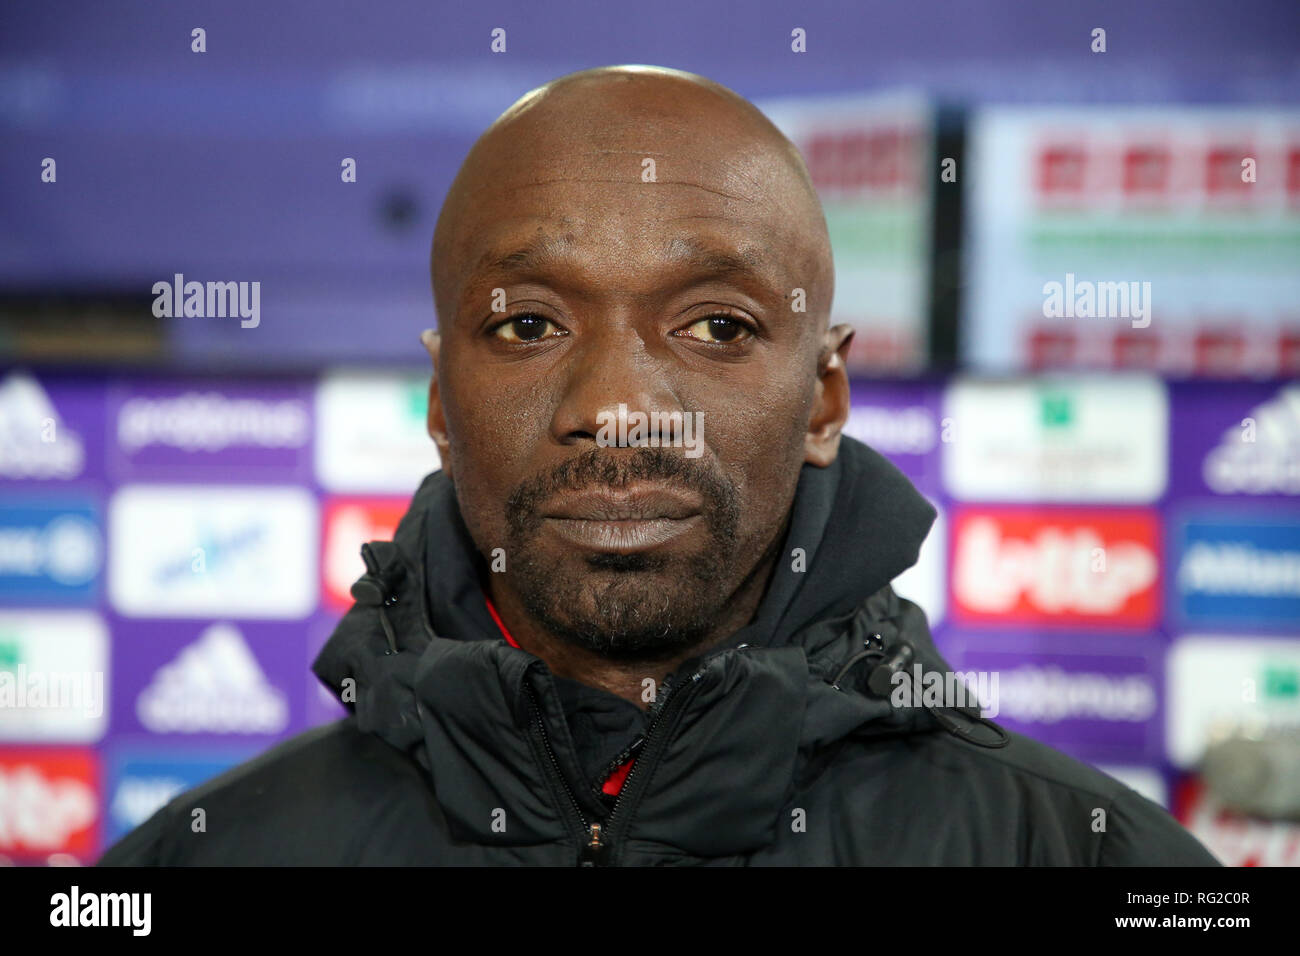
(548, 246)
(650, 194)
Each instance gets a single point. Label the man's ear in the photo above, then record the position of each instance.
(830, 399)
(437, 422)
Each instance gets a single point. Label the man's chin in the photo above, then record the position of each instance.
(623, 619)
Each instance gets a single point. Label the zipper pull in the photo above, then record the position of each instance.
(594, 853)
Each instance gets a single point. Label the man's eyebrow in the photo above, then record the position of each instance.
(543, 250)
(547, 250)
(721, 262)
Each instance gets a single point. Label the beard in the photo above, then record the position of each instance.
(627, 606)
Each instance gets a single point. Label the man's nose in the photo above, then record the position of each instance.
(608, 381)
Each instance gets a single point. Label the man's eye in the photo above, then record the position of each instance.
(524, 328)
(718, 328)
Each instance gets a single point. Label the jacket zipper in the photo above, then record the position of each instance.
(597, 850)
(672, 696)
(539, 729)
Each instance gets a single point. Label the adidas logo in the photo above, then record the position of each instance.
(34, 443)
(1269, 465)
(214, 685)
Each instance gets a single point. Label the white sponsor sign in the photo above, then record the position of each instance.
(1057, 439)
(208, 551)
(53, 676)
(373, 433)
(1223, 685)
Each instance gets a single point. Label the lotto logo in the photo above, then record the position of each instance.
(1056, 565)
(49, 803)
(350, 523)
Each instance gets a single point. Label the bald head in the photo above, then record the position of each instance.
(640, 128)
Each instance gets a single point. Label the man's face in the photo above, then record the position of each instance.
(667, 295)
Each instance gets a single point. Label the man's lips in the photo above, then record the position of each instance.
(622, 522)
(642, 504)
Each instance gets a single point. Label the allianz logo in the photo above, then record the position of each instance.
(212, 552)
(1049, 694)
(1238, 567)
(211, 422)
(138, 798)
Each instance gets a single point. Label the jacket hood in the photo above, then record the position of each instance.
(421, 663)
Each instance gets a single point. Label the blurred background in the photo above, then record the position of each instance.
(1068, 237)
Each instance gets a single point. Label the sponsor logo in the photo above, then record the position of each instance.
(372, 433)
(146, 780)
(1238, 571)
(49, 806)
(173, 430)
(214, 685)
(1066, 439)
(1093, 696)
(1260, 455)
(49, 551)
(205, 551)
(349, 523)
(52, 666)
(211, 421)
(1056, 565)
(1049, 694)
(34, 440)
(900, 421)
(1221, 686)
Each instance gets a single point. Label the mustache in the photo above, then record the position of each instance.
(597, 467)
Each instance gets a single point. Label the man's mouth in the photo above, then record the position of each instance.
(623, 522)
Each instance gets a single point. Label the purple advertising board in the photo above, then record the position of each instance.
(213, 431)
(1097, 698)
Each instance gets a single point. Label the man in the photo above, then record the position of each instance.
(643, 614)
